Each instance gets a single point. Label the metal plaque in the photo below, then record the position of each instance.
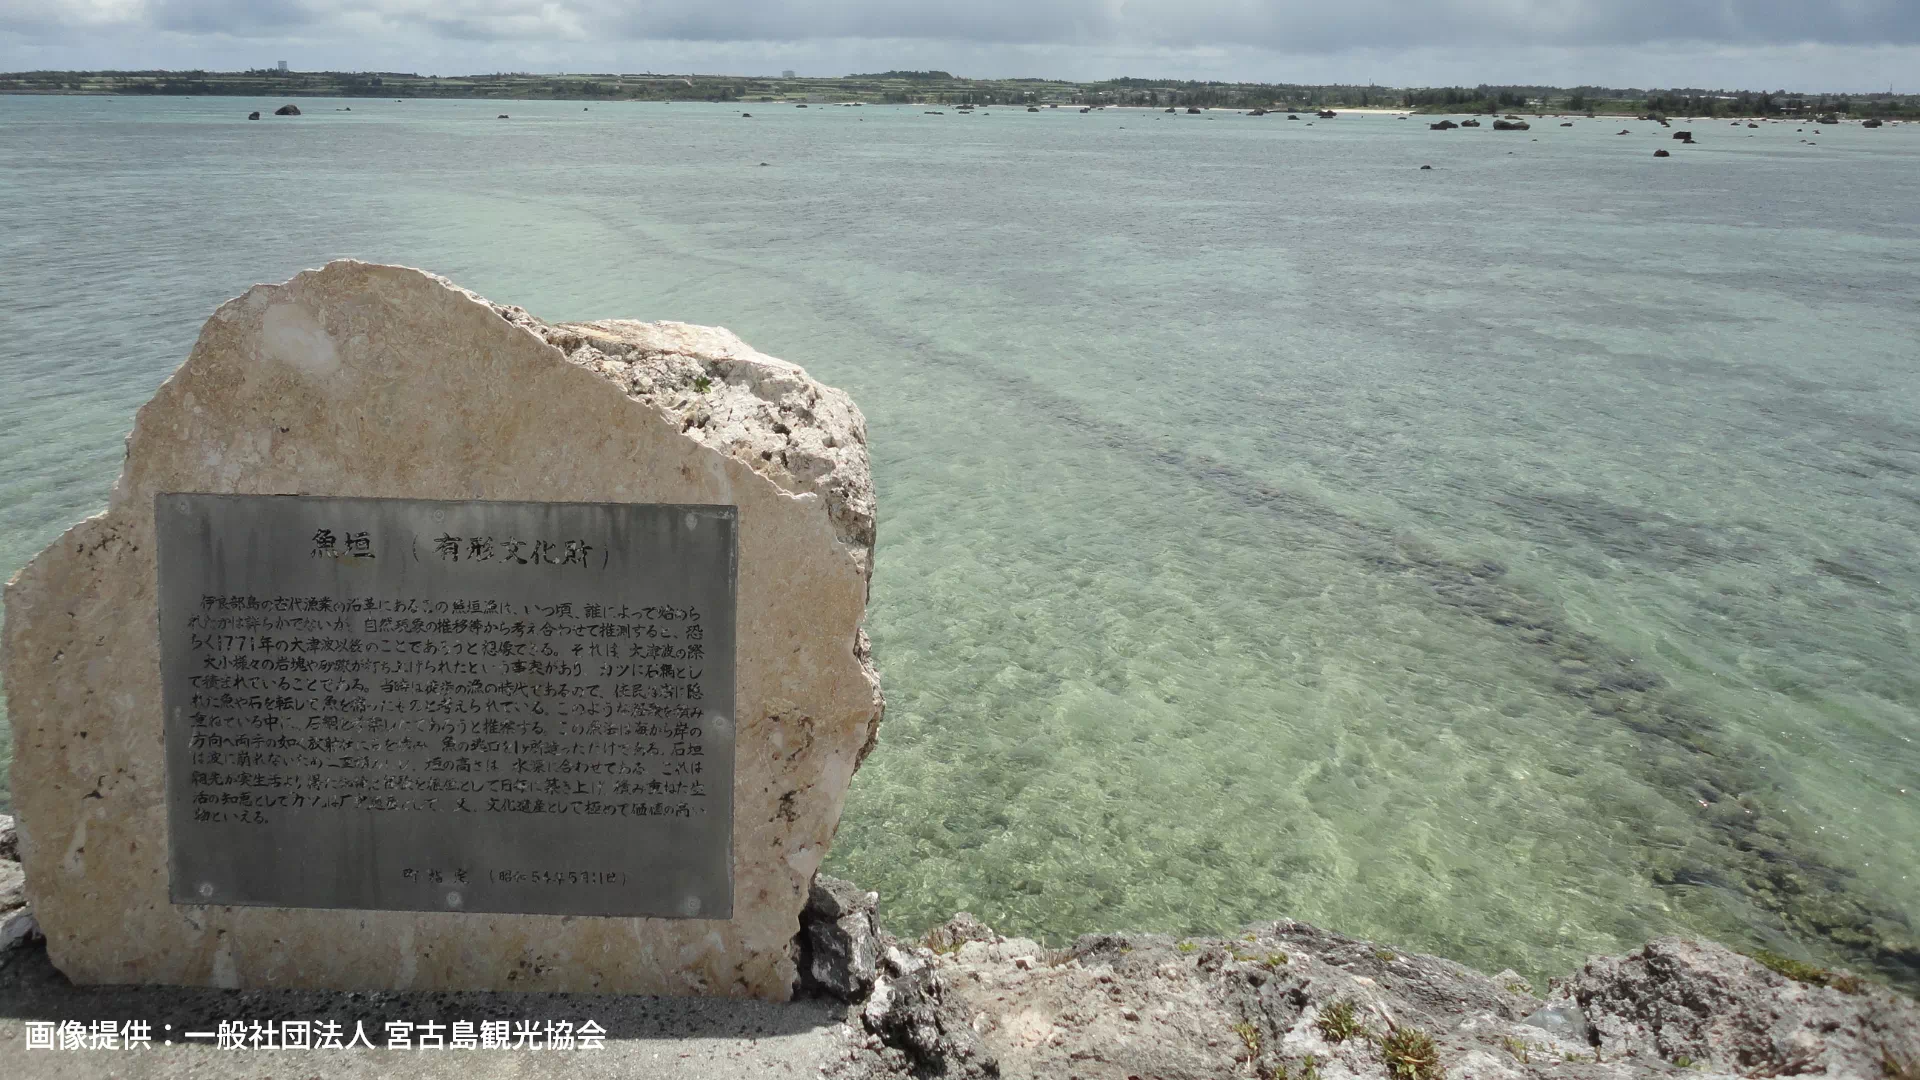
(413, 705)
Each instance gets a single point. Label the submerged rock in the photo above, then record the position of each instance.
(287, 110)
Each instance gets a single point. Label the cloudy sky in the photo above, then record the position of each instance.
(1852, 45)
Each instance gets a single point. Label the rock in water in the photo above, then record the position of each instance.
(387, 382)
(1661, 153)
(287, 110)
(253, 116)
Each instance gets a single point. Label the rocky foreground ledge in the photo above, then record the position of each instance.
(1288, 1000)
(1280, 1001)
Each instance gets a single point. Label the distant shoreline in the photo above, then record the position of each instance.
(938, 89)
(1530, 113)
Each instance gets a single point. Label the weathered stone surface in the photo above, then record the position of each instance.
(9, 839)
(923, 1027)
(1137, 1005)
(840, 940)
(959, 930)
(17, 925)
(381, 381)
(1707, 1003)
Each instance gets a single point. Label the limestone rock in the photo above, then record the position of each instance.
(1136, 1005)
(9, 840)
(383, 381)
(925, 1023)
(13, 886)
(17, 925)
(957, 931)
(1707, 1003)
(840, 942)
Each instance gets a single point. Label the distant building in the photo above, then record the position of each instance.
(283, 65)
(787, 74)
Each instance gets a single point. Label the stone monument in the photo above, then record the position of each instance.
(427, 646)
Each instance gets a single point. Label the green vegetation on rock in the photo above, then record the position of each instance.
(1411, 1054)
(1338, 1023)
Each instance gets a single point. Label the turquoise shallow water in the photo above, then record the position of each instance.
(1513, 560)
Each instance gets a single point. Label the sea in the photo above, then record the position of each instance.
(1514, 560)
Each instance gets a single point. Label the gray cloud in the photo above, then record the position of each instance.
(1287, 25)
(1394, 41)
(250, 17)
(1296, 26)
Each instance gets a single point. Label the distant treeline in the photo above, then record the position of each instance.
(943, 88)
(1690, 102)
